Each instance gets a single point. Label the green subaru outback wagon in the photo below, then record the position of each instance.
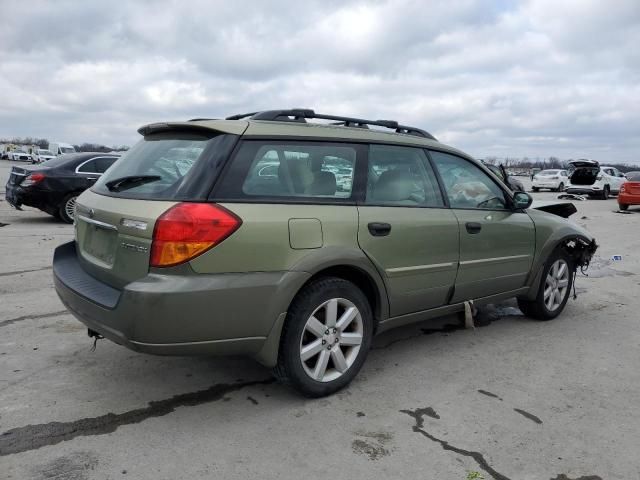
(294, 237)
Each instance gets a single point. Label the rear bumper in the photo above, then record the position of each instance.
(14, 195)
(582, 190)
(628, 199)
(17, 196)
(221, 314)
(550, 185)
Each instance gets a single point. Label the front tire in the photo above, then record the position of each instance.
(67, 208)
(605, 192)
(325, 338)
(554, 290)
(535, 189)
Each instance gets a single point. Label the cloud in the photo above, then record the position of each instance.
(534, 78)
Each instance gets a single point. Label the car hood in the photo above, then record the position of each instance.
(584, 163)
(562, 209)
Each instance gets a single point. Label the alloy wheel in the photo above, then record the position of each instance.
(331, 340)
(70, 207)
(556, 285)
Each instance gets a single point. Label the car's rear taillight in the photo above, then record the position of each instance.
(188, 229)
(622, 189)
(32, 179)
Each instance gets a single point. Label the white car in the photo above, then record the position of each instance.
(43, 155)
(551, 179)
(588, 177)
(19, 155)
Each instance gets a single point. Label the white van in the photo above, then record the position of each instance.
(59, 148)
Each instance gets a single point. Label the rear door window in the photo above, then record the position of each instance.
(291, 171)
(102, 163)
(87, 167)
(162, 167)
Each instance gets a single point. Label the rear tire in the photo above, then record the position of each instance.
(67, 208)
(560, 187)
(325, 338)
(554, 290)
(623, 206)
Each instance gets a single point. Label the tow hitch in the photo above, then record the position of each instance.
(96, 336)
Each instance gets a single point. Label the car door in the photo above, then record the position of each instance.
(90, 170)
(86, 174)
(497, 244)
(406, 229)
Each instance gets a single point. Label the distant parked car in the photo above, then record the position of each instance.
(54, 185)
(42, 155)
(19, 156)
(551, 179)
(589, 178)
(630, 191)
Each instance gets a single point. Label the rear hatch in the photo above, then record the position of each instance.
(583, 172)
(115, 219)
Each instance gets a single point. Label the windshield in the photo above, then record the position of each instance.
(44, 152)
(155, 168)
(67, 150)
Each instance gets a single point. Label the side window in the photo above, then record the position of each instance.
(297, 170)
(88, 167)
(102, 163)
(467, 186)
(563, 173)
(401, 176)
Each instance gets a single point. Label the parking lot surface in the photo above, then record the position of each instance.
(511, 399)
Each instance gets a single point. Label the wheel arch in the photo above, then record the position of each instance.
(579, 247)
(349, 264)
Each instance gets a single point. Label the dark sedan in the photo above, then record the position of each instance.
(54, 185)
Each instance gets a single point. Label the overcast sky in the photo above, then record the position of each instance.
(536, 78)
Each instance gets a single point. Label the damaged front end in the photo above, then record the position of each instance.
(581, 250)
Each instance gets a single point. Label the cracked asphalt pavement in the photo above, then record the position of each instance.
(514, 399)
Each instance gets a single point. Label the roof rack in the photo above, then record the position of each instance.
(301, 114)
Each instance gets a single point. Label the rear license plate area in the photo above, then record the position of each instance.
(100, 243)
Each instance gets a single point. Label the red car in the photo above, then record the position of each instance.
(630, 191)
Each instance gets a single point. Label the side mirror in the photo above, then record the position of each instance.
(522, 200)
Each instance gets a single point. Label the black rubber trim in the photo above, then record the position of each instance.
(69, 272)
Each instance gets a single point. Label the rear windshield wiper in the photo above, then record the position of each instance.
(131, 181)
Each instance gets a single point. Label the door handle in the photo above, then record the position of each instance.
(378, 229)
(473, 227)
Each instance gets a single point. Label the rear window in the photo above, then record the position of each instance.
(167, 161)
(57, 161)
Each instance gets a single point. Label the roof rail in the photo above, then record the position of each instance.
(301, 114)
